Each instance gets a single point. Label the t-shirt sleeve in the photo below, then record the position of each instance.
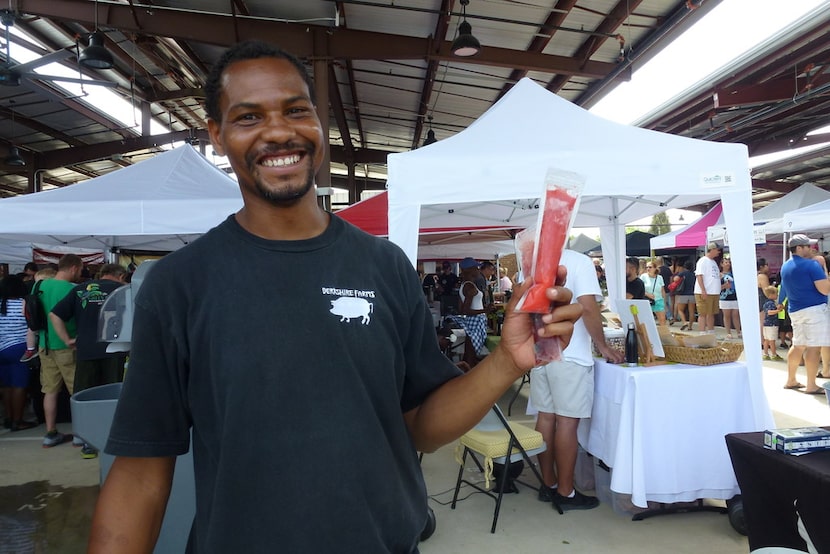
(427, 368)
(152, 417)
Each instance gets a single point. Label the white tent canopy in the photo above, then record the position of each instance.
(809, 218)
(772, 215)
(159, 204)
(492, 174)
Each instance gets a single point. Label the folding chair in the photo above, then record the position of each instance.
(498, 441)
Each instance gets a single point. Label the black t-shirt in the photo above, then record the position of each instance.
(665, 273)
(295, 384)
(687, 286)
(636, 288)
(447, 282)
(84, 303)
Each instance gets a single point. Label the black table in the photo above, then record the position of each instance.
(773, 485)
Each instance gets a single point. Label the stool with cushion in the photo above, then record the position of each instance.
(495, 440)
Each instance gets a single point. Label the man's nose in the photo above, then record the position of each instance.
(278, 128)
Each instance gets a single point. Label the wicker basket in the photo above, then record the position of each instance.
(723, 353)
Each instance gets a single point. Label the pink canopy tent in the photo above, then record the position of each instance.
(692, 235)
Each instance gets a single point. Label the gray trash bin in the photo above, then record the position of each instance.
(92, 413)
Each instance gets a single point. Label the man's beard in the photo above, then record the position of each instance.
(282, 196)
(285, 197)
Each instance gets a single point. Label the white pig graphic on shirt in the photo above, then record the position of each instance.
(348, 308)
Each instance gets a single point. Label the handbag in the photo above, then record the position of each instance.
(674, 285)
(652, 301)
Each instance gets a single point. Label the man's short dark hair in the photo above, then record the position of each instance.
(69, 261)
(247, 50)
(30, 266)
(632, 261)
(761, 263)
(111, 270)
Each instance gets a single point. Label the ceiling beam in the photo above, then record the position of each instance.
(36, 125)
(607, 27)
(767, 92)
(776, 186)
(441, 28)
(69, 156)
(80, 154)
(336, 103)
(212, 28)
(540, 40)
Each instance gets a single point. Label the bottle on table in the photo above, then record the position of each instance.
(631, 355)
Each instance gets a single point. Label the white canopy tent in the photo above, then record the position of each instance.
(769, 220)
(159, 204)
(492, 174)
(772, 215)
(809, 218)
(16, 254)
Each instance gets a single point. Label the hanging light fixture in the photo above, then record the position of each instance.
(14, 158)
(465, 44)
(430, 134)
(96, 56)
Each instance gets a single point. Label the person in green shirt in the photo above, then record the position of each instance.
(57, 360)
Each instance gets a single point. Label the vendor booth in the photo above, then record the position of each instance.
(693, 235)
(492, 174)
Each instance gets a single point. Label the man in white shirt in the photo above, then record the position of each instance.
(707, 288)
(563, 391)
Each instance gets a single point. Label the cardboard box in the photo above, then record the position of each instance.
(797, 440)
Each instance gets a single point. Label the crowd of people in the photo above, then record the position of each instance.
(67, 351)
(687, 291)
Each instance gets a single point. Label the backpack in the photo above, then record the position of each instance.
(34, 311)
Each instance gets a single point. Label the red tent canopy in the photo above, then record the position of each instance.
(372, 215)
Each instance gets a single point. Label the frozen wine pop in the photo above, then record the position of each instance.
(562, 189)
(539, 250)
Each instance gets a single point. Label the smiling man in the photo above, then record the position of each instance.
(306, 346)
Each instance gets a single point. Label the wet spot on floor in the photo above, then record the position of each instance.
(37, 517)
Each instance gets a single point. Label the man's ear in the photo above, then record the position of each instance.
(214, 130)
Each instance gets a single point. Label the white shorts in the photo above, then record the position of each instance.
(728, 304)
(563, 388)
(811, 326)
(770, 332)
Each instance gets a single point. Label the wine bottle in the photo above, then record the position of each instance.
(631, 355)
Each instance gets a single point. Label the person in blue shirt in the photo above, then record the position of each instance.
(805, 285)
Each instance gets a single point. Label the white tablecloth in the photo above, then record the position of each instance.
(661, 429)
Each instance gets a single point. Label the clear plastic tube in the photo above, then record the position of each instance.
(539, 251)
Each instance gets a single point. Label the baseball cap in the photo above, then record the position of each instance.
(801, 240)
(712, 246)
(468, 263)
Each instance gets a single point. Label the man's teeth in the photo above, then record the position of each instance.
(279, 162)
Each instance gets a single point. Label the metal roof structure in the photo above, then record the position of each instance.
(384, 68)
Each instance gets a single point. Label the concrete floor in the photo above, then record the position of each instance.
(47, 497)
